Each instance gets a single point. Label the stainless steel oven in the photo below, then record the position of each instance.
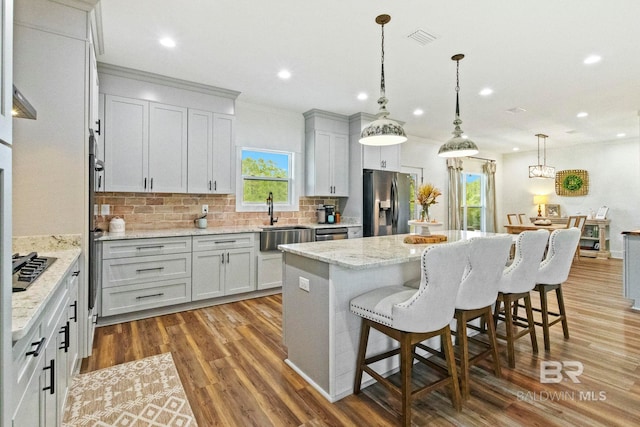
(95, 167)
(331, 233)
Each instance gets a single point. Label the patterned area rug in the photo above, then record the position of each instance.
(145, 392)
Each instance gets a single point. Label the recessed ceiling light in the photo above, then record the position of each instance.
(621, 134)
(284, 74)
(167, 42)
(418, 112)
(516, 110)
(516, 149)
(592, 59)
(582, 114)
(486, 91)
(363, 96)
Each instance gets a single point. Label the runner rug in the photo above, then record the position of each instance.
(146, 392)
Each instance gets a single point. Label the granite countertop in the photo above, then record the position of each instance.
(28, 305)
(174, 232)
(358, 254)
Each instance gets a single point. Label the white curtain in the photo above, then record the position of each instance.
(489, 168)
(454, 166)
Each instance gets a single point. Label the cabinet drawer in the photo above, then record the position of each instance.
(125, 299)
(145, 247)
(223, 241)
(119, 272)
(25, 364)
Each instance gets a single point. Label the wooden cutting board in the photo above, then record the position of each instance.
(434, 238)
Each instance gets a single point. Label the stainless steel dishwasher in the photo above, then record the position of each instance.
(331, 233)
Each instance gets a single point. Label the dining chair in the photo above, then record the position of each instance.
(512, 219)
(517, 280)
(553, 271)
(476, 295)
(522, 218)
(410, 316)
(577, 221)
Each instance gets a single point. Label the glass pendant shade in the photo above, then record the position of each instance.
(541, 170)
(458, 146)
(382, 131)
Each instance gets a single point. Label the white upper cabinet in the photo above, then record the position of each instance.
(6, 69)
(126, 144)
(145, 146)
(327, 154)
(381, 158)
(210, 147)
(167, 149)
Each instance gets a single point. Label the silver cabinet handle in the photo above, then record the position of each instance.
(150, 296)
(141, 248)
(142, 270)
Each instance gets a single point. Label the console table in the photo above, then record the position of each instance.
(594, 241)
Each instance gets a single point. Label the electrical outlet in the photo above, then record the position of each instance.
(205, 209)
(303, 283)
(105, 209)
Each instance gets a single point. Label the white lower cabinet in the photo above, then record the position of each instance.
(44, 360)
(141, 274)
(269, 270)
(226, 270)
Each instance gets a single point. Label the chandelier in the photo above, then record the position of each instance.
(541, 170)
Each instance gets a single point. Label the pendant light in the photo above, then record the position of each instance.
(541, 170)
(458, 146)
(382, 131)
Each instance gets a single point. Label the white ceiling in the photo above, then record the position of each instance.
(530, 52)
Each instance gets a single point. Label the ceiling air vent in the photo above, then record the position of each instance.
(516, 110)
(423, 37)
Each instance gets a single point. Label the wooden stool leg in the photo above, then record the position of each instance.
(362, 351)
(451, 366)
(406, 363)
(532, 326)
(563, 313)
(491, 330)
(461, 320)
(544, 308)
(508, 324)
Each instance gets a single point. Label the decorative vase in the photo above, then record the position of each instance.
(424, 215)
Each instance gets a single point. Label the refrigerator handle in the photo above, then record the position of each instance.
(394, 203)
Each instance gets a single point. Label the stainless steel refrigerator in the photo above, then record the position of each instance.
(386, 197)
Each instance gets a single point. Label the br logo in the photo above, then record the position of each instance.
(552, 372)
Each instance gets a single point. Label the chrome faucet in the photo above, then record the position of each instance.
(270, 208)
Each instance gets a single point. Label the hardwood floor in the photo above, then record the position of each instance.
(230, 360)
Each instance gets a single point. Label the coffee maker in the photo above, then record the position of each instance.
(330, 214)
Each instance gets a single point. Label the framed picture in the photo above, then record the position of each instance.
(602, 213)
(552, 211)
(573, 182)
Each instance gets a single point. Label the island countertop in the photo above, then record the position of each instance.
(367, 252)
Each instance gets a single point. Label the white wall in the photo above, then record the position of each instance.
(614, 179)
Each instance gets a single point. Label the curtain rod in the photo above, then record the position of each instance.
(481, 158)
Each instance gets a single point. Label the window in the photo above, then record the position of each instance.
(262, 172)
(473, 205)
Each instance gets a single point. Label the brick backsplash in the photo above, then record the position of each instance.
(154, 211)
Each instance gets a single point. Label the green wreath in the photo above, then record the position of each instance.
(572, 182)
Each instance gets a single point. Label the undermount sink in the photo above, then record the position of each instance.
(271, 237)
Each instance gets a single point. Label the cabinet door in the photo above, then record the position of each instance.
(100, 176)
(322, 160)
(29, 409)
(6, 70)
(371, 157)
(223, 146)
(390, 157)
(48, 377)
(72, 315)
(200, 145)
(94, 92)
(340, 165)
(167, 148)
(239, 278)
(126, 142)
(207, 274)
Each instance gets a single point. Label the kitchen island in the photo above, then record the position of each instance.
(319, 281)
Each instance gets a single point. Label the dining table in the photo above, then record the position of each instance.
(519, 228)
